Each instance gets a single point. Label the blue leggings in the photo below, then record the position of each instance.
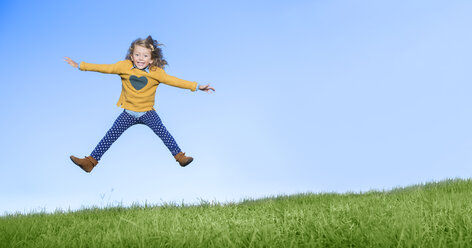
(124, 121)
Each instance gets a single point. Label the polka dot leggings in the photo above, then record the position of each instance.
(124, 121)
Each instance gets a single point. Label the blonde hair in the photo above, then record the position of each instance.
(156, 52)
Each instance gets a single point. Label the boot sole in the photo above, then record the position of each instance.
(190, 161)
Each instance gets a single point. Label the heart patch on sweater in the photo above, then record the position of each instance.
(138, 82)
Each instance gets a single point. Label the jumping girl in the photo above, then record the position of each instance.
(141, 72)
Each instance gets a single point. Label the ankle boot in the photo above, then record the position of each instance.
(86, 163)
(182, 159)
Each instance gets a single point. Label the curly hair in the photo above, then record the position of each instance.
(156, 52)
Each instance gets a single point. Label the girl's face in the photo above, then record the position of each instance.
(141, 57)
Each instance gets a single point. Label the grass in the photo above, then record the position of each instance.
(437, 214)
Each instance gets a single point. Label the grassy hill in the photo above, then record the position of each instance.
(437, 214)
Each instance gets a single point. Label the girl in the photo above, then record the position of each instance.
(141, 72)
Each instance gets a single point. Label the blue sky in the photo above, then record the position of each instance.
(311, 96)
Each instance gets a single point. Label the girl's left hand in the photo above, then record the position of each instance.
(207, 88)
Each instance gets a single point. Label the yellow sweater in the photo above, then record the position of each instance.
(138, 87)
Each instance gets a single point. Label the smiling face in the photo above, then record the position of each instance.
(141, 57)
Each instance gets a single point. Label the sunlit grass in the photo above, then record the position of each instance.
(436, 214)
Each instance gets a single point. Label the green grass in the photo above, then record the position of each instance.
(435, 214)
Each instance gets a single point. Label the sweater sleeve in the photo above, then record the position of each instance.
(177, 82)
(103, 68)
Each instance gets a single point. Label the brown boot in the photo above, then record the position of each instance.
(86, 163)
(182, 159)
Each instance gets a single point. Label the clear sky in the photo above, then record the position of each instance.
(311, 96)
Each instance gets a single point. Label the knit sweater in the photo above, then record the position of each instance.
(138, 87)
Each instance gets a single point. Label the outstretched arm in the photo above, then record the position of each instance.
(71, 62)
(207, 88)
(103, 68)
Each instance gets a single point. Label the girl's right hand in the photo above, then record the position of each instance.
(71, 62)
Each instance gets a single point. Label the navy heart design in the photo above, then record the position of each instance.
(138, 82)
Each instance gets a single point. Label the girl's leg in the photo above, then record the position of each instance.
(123, 122)
(152, 120)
